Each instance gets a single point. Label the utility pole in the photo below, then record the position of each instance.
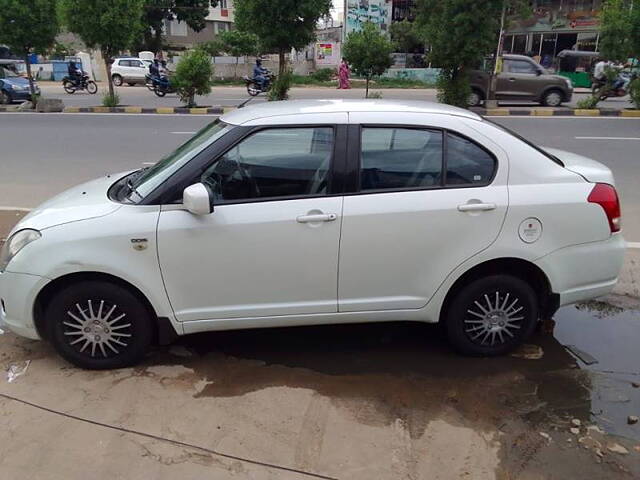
(491, 101)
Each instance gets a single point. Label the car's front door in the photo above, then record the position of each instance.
(519, 80)
(270, 248)
(428, 199)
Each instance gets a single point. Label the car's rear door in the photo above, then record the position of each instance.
(428, 193)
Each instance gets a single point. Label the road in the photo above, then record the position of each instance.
(45, 154)
(140, 96)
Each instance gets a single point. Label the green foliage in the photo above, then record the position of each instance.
(193, 12)
(27, 26)
(323, 74)
(281, 25)
(460, 33)
(110, 100)
(615, 31)
(281, 85)
(193, 76)
(238, 43)
(368, 52)
(405, 36)
(213, 48)
(634, 92)
(588, 103)
(377, 95)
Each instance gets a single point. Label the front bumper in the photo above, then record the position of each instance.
(18, 292)
(21, 95)
(583, 272)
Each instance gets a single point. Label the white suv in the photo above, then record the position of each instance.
(129, 70)
(318, 212)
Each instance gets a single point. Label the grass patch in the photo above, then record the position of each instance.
(325, 78)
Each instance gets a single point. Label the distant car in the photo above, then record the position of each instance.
(317, 212)
(13, 87)
(129, 70)
(522, 79)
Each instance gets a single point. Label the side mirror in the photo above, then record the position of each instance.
(198, 199)
(539, 72)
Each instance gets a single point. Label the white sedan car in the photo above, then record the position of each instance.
(317, 212)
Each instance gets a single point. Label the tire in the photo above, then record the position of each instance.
(99, 325)
(475, 316)
(252, 89)
(92, 88)
(159, 92)
(150, 86)
(69, 87)
(5, 98)
(117, 80)
(552, 98)
(475, 99)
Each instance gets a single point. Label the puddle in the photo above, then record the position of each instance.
(611, 335)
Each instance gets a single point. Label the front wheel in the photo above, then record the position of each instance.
(492, 315)
(5, 99)
(159, 92)
(92, 87)
(69, 87)
(99, 325)
(552, 98)
(252, 89)
(117, 80)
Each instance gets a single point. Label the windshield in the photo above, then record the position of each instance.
(149, 179)
(5, 72)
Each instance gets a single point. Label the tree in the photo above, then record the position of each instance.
(405, 36)
(193, 12)
(26, 26)
(110, 25)
(238, 44)
(460, 33)
(616, 43)
(368, 52)
(193, 76)
(281, 25)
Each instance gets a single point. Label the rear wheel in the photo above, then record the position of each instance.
(92, 87)
(475, 99)
(159, 92)
(492, 315)
(69, 87)
(117, 80)
(252, 89)
(99, 325)
(552, 98)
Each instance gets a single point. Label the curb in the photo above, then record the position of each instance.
(158, 110)
(550, 112)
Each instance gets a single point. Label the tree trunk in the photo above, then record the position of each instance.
(281, 59)
(32, 89)
(235, 70)
(366, 93)
(493, 79)
(107, 63)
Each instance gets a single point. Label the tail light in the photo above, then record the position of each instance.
(606, 196)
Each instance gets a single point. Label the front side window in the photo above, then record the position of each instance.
(397, 158)
(278, 162)
(468, 163)
(520, 66)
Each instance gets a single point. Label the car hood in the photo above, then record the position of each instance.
(82, 202)
(589, 169)
(16, 81)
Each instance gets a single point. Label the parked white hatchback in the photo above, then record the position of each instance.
(129, 70)
(321, 212)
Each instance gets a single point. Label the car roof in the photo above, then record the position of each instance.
(293, 107)
(512, 56)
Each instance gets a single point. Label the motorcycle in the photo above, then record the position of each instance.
(597, 85)
(72, 86)
(162, 86)
(254, 89)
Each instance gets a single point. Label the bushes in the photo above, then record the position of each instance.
(634, 92)
(109, 100)
(280, 88)
(193, 76)
(324, 75)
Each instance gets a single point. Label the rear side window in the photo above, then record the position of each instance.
(397, 158)
(467, 162)
(124, 63)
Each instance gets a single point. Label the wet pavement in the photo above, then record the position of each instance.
(350, 401)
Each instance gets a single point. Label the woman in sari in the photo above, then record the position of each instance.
(343, 75)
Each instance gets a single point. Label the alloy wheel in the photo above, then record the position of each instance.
(493, 320)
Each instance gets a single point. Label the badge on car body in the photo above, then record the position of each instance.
(139, 243)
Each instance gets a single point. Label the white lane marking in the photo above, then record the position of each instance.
(607, 138)
(183, 133)
(148, 163)
(633, 244)
(14, 209)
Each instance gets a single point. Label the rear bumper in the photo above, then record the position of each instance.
(18, 292)
(583, 272)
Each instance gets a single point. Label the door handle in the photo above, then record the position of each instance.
(477, 207)
(317, 218)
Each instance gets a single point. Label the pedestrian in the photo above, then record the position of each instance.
(343, 75)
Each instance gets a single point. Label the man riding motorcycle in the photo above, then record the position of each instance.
(75, 73)
(259, 74)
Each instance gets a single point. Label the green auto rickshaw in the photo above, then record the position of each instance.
(577, 65)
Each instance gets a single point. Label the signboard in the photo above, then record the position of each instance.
(327, 53)
(359, 11)
(556, 18)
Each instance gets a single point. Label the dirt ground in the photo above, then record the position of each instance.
(384, 401)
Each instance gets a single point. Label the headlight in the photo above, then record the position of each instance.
(569, 83)
(15, 243)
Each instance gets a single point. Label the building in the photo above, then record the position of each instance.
(179, 36)
(553, 26)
